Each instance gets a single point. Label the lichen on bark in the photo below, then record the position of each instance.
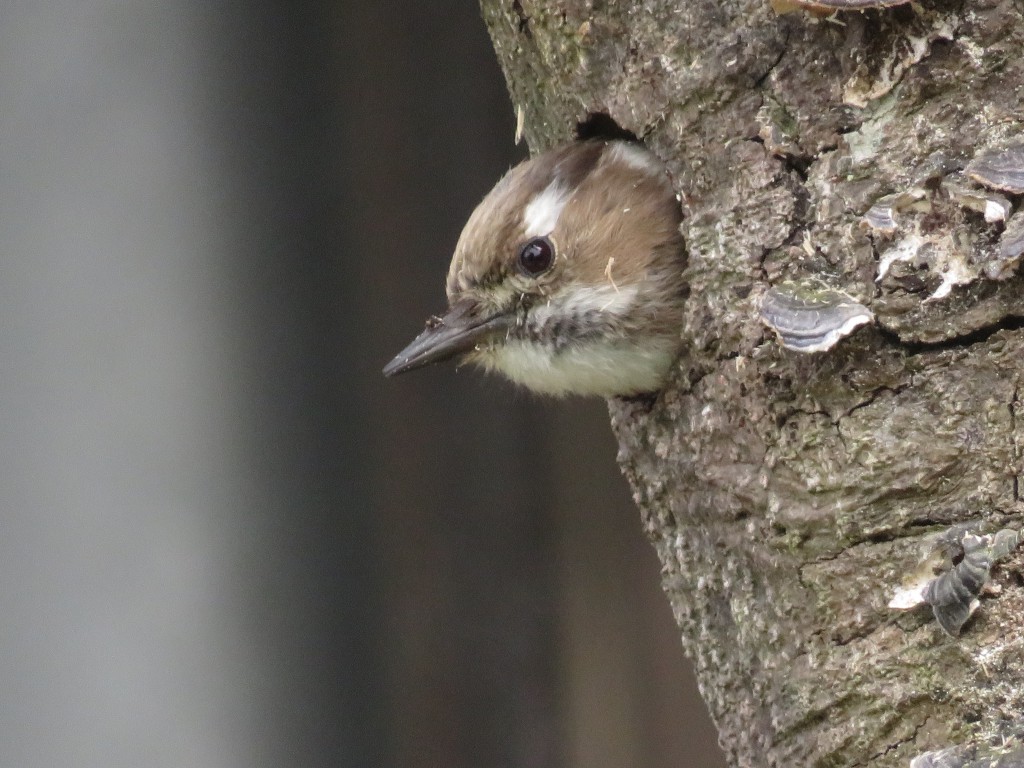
(788, 494)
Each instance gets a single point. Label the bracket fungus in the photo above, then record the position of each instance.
(928, 227)
(824, 7)
(1001, 169)
(809, 318)
(953, 594)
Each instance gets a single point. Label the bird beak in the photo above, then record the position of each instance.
(460, 330)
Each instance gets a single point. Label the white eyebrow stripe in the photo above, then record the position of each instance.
(636, 157)
(541, 214)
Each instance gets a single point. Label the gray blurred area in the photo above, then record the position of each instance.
(225, 540)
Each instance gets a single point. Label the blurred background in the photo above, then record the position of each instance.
(225, 539)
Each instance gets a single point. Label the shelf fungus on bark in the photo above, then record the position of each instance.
(881, 216)
(991, 205)
(811, 318)
(997, 753)
(929, 228)
(1011, 248)
(953, 594)
(824, 7)
(1001, 169)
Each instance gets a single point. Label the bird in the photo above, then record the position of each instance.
(568, 277)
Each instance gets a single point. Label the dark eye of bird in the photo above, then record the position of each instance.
(536, 256)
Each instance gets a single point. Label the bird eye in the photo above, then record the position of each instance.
(536, 256)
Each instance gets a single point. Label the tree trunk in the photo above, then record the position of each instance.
(790, 495)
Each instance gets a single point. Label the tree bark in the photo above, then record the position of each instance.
(790, 495)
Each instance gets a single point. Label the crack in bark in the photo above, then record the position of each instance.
(876, 254)
(836, 421)
(820, 714)
(1015, 445)
(524, 20)
(873, 396)
(759, 82)
(906, 530)
(863, 633)
(760, 264)
(894, 746)
(978, 336)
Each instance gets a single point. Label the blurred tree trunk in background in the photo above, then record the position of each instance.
(789, 495)
(224, 540)
(521, 622)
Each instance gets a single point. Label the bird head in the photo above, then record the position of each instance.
(568, 276)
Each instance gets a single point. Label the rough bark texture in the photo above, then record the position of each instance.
(788, 495)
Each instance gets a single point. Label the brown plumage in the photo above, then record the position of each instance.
(568, 276)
